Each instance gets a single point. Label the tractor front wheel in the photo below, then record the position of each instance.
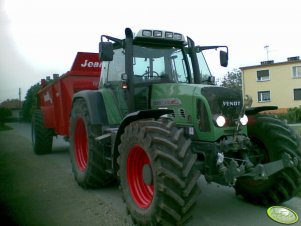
(157, 173)
(271, 139)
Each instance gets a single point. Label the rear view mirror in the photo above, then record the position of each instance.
(223, 56)
(106, 51)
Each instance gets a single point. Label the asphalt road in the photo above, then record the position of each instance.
(40, 190)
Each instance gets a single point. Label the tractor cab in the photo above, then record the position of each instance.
(133, 65)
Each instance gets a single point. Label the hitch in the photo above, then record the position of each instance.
(263, 171)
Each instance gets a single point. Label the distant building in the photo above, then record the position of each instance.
(274, 84)
(15, 106)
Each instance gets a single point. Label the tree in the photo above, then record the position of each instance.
(30, 102)
(31, 99)
(233, 80)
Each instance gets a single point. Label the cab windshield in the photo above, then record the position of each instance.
(159, 64)
(204, 69)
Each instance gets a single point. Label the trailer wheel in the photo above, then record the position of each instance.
(157, 173)
(271, 138)
(87, 156)
(41, 136)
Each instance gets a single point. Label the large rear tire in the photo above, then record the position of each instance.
(41, 136)
(157, 173)
(271, 139)
(87, 156)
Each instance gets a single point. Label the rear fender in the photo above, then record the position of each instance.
(95, 105)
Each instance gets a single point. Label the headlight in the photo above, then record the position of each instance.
(157, 34)
(244, 120)
(220, 121)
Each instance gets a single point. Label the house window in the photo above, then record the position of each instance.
(297, 94)
(297, 71)
(264, 96)
(263, 75)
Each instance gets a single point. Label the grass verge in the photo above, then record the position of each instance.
(4, 127)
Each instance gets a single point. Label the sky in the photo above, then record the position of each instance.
(41, 37)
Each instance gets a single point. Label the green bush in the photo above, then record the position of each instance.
(293, 115)
(5, 113)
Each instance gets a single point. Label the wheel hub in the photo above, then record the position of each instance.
(147, 174)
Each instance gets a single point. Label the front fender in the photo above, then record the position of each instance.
(255, 110)
(137, 115)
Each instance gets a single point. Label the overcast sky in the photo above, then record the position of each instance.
(41, 37)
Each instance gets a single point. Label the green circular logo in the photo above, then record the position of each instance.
(282, 215)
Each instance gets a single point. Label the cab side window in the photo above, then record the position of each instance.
(116, 67)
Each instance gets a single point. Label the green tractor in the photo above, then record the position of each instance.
(158, 121)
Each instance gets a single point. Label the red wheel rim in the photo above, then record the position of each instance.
(81, 144)
(141, 193)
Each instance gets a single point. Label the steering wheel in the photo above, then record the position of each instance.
(147, 73)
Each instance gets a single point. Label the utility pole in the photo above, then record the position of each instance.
(20, 97)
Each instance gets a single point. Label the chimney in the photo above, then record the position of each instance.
(267, 62)
(295, 58)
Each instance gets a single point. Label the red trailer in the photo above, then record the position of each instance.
(55, 99)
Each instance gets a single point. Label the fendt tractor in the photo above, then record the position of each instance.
(156, 122)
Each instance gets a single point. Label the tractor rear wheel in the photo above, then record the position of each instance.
(271, 138)
(87, 156)
(41, 136)
(157, 173)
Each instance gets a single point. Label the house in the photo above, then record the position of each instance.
(274, 84)
(15, 106)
